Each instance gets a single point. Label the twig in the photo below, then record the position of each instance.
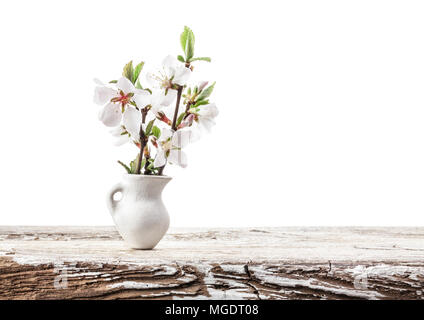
(142, 140)
(174, 121)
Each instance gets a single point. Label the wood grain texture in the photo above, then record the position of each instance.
(255, 263)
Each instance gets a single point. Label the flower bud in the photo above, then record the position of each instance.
(202, 85)
(162, 117)
(187, 121)
(146, 151)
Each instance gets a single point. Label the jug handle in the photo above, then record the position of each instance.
(111, 203)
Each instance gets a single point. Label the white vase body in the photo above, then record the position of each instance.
(140, 215)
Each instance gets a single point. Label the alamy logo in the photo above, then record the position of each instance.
(61, 278)
(360, 281)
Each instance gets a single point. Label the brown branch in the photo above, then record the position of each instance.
(188, 106)
(177, 105)
(143, 140)
(160, 170)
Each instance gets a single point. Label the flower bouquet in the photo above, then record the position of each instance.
(160, 115)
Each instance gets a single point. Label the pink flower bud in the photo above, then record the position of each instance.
(202, 85)
(187, 121)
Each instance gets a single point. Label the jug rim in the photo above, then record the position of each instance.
(146, 176)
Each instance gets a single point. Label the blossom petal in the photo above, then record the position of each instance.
(98, 82)
(111, 115)
(208, 111)
(181, 138)
(195, 135)
(169, 65)
(206, 124)
(178, 157)
(165, 134)
(160, 159)
(152, 79)
(169, 98)
(149, 117)
(132, 121)
(157, 99)
(156, 108)
(117, 131)
(125, 85)
(202, 85)
(103, 94)
(181, 76)
(142, 99)
(140, 91)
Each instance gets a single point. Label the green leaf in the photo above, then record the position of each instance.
(133, 164)
(206, 92)
(156, 131)
(181, 58)
(190, 47)
(200, 102)
(201, 59)
(137, 71)
(151, 166)
(187, 42)
(184, 37)
(128, 71)
(113, 81)
(149, 127)
(180, 118)
(125, 166)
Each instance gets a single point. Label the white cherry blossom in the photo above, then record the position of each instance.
(174, 73)
(115, 98)
(170, 144)
(205, 115)
(157, 100)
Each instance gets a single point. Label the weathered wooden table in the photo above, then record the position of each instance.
(255, 263)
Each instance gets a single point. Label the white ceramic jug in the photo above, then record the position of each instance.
(140, 215)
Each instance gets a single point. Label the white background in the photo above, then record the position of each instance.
(321, 110)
